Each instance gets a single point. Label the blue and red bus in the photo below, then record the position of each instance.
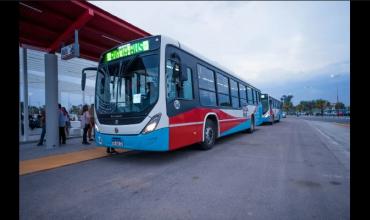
(271, 109)
(156, 94)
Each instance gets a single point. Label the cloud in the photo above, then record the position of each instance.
(260, 41)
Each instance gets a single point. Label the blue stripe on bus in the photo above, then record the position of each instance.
(153, 141)
(258, 115)
(266, 119)
(240, 127)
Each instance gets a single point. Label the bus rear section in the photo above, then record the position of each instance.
(271, 109)
(191, 127)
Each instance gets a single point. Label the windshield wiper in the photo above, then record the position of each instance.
(127, 66)
(122, 73)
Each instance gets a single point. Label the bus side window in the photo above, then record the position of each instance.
(223, 91)
(243, 95)
(253, 97)
(175, 87)
(186, 91)
(250, 97)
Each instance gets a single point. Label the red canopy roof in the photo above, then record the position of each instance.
(46, 25)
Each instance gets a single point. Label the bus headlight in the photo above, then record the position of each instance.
(152, 124)
(96, 128)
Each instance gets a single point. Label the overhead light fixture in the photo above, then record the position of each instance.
(33, 8)
(112, 39)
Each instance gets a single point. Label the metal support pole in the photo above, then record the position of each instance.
(25, 96)
(59, 93)
(51, 100)
(83, 97)
(20, 112)
(337, 93)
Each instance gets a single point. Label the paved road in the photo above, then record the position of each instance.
(344, 120)
(291, 170)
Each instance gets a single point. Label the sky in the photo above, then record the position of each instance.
(273, 45)
(282, 48)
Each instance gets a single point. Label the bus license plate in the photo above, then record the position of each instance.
(117, 143)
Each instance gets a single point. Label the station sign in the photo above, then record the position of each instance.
(70, 51)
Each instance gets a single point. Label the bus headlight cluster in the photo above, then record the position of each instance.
(152, 124)
(96, 128)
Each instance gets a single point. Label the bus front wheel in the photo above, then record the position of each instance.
(209, 134)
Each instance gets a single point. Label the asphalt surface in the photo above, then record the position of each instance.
(341, 119)
(295, 169)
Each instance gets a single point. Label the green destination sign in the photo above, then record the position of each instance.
(127, 50)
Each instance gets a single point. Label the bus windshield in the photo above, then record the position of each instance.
(265, 104)
(127, 86)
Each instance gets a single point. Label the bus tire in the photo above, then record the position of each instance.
(251, 129)
(209, 135)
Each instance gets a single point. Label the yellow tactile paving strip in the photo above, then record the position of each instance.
(54, 161)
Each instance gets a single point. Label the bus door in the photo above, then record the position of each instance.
(271, 108)
(180, 98)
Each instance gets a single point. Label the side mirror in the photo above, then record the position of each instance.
(83, 78)
(83, 81)
(176, 70)
(183, 74)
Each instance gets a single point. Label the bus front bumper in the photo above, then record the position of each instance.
(156, 140)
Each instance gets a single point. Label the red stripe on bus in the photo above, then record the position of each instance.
(185, 135)
(181, 136)
(198, 114)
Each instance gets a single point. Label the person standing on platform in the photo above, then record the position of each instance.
(92, 123)
(43, 126)
(68, 122)
(62, 124)
(85, 123)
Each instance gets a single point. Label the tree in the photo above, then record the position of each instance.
(321, 104)
(328, 104)
(339, 105)
(307, 106)
(287, 102)
(311, 105)
(33, 110)
(300, 107)
(75, 110)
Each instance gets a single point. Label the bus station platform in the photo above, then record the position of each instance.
(33, 158)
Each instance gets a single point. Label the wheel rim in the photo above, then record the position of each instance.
(209, 135)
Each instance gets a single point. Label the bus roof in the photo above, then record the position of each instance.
(211, 62)
(170, 40)
(273, 98)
